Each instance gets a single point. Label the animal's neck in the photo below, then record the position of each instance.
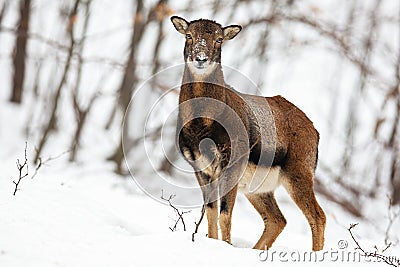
(210, 86)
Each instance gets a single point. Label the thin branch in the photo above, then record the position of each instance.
(34, 36)
(53, 43)
(392, 261)
(325, 30)
(177, 212)
(21, 168)
(203, 210)
(42, 162)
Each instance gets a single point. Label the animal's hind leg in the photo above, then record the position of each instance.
(274, 222)
(300, 187)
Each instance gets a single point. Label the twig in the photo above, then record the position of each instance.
(203, 209)
(392, 261)
(177, 212)
(42, 162)
(21, 167)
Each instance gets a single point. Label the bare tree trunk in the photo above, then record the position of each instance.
(158, 14)
(80, 112)
(337, 77)
(394, 141)
(129, 81)
(352, 120)
(53, 115)
(394, 144)
(20, 51)
(395, 166)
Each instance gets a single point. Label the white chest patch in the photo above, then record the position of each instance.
(256, 179)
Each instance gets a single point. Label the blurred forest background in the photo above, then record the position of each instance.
(71, 67)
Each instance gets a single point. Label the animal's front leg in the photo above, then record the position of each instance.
(209, 189)
(212, 218)
(227, 203)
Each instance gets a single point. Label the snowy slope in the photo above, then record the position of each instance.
(75, 216)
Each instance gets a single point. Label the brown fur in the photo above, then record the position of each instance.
(282, 131)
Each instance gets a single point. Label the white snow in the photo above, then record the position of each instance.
(87, 216)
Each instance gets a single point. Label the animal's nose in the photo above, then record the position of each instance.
(201, 57)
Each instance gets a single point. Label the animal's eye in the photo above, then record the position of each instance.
(188, 36)
(219, 40)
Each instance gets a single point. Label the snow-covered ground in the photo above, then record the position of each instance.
(86, 216)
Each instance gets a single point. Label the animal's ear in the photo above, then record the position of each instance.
(231, 31)
(180, 24)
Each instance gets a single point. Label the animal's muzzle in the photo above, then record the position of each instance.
(201, 57)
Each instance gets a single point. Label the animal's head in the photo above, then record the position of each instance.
(204, 39)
